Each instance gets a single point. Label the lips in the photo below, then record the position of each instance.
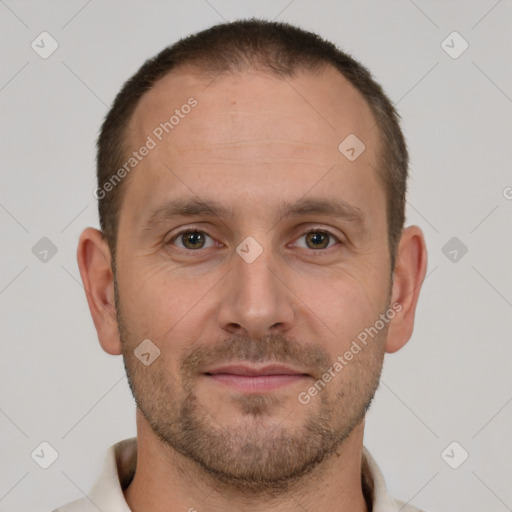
(252, 379)
(252, 371)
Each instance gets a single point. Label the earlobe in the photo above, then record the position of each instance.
(94, 262)
(408, 276)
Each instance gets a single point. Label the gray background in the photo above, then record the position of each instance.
(452, 382)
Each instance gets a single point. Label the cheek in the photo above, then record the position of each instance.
(343, 302)
(147, 300)
(156, 304)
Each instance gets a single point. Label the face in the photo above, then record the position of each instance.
(256, 289)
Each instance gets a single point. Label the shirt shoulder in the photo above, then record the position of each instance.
(404, 507)
(374, 487)
(80, 505)
(106, 493)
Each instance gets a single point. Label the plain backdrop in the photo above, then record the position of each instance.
(450, 383)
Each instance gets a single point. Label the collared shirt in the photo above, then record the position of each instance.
(119, 468)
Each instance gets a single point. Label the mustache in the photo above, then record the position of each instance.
(273, 348)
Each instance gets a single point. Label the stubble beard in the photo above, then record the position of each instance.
(260, 454)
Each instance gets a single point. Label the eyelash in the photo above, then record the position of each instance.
(194, 230)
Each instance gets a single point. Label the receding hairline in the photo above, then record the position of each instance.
(202, 74)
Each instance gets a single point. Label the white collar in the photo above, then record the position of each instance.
(121, 459)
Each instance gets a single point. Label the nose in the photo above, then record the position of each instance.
(255, 300)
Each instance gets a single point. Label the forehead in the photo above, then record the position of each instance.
(314, 109)
(250, 133)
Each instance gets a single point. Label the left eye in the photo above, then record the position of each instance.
(318, 239)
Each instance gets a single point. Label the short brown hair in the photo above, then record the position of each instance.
(277, 48)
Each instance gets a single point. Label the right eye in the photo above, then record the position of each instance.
(191, 239)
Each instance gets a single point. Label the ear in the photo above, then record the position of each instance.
(94, 260)
(408, 276)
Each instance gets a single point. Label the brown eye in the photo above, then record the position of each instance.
(318, 240)
(191, 239)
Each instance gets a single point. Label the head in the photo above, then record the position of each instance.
(240, 231)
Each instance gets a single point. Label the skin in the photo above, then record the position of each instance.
(253, 141)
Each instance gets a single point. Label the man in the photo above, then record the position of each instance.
(253, 269)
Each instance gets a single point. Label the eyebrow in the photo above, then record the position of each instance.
(195, 207)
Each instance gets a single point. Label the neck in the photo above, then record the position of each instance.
(167, 481)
